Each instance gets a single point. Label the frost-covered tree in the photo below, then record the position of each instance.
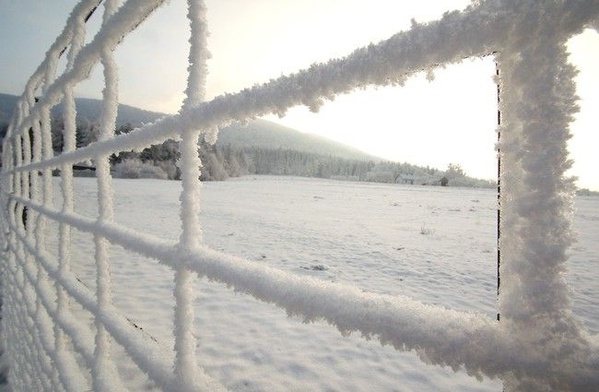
(213, 168)
(454, 170)
(135, 168)
(87, 133)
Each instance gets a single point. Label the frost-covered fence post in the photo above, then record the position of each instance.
(538, 103)
(498, 184)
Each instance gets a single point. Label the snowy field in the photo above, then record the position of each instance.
(437, 245)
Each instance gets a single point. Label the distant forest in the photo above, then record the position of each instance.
(220, 162)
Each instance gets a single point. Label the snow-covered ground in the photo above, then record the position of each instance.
(437, 245)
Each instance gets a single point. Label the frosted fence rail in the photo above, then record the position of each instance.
(537, 345)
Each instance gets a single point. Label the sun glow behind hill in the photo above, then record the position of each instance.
(257, 133)
(435, 119)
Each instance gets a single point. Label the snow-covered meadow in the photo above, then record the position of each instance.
(436, 245)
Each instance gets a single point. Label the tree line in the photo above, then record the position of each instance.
(220, 162)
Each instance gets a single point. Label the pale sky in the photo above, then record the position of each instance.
(449, 120)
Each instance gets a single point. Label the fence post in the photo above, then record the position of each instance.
(498, 183)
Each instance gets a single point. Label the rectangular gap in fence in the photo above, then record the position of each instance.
(451, 229)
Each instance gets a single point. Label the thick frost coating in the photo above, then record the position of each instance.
(538, 103)
(538, 345)
(62, 332)
(198, 54)
(104, 372)
(185, 368)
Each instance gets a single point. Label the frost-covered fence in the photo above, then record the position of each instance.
(538, 345)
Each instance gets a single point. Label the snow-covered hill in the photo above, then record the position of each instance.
(266, 134)
(88, 110)
(258, 133)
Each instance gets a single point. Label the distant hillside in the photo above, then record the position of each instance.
(90, 109)
(7, 106)
(258, 133)
(261, 147)
(87, 110)
(268, 135)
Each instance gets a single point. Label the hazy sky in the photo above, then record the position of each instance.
(449, 120)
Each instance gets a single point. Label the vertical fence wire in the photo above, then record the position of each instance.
(105, 376)
(63, 306)
(186, 368)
